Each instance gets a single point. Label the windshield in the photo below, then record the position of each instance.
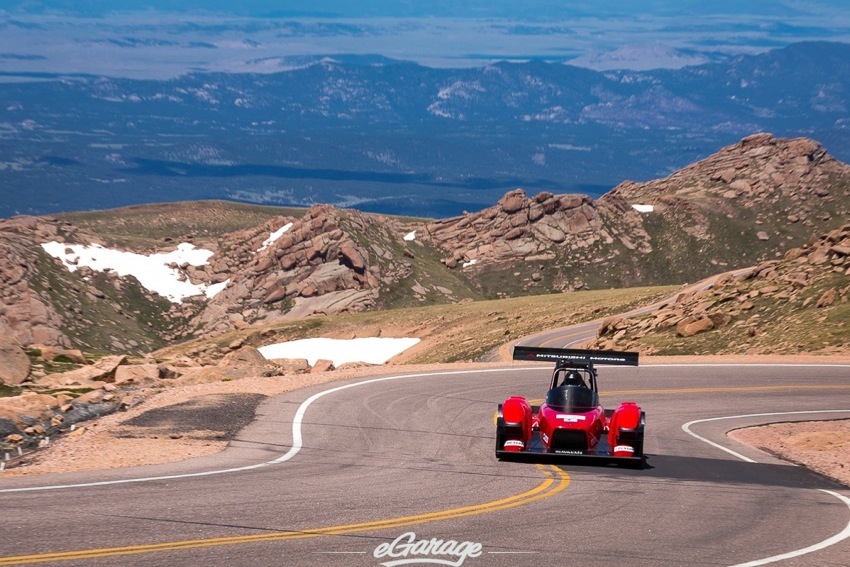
(572, 398)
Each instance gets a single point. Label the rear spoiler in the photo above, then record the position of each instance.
(576, 356)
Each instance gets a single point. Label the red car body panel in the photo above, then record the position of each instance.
(591, 424)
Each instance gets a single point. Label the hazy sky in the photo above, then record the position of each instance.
(514, 9)
(163, 38)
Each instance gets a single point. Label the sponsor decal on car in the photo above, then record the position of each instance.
(567, 452)
(514, 443)
(571, 418)
(624, 448)
(406, 550)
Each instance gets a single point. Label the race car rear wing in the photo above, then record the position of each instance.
(574, 356)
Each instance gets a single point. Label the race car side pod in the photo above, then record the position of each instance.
(514, 430)
(575, 355)
(625, 431)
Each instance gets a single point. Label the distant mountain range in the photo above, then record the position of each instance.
(394, 137)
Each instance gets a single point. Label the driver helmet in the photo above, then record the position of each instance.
(573, 378)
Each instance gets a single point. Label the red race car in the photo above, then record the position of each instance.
(571, 422)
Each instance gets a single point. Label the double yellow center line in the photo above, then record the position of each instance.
(556, 480)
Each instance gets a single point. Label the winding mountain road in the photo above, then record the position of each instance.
(327, 475)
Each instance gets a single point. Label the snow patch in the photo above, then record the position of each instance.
(153, 272)
(410, 236)
(372, 350)
(214, 289)
(274, 237)
(643, 208)
(470, 263)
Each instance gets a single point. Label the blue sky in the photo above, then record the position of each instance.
(165, 38)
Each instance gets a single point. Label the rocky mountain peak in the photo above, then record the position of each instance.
(758, 190)
(758, 168)
(518, 228)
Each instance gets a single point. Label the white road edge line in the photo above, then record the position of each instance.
(687, 427)
(840, 536)
(297, 441)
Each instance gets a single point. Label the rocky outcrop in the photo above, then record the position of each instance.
(137, 374)
(292, 365)
(95, 375)
(328, 261)
(15, 365)
(244, 356)
(757, 171)
(25, 315)
(27, 404)
(797, 292)
(763, 193)
(766, 187)
(519, 227)
(322, 366)
(57, 354)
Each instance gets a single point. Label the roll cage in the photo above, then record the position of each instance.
(563, 370)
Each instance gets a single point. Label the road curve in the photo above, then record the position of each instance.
(379, 458)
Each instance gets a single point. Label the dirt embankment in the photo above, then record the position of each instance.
(822, 446)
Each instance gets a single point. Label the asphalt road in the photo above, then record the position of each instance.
(374, 459)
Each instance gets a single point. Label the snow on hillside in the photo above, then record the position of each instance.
(274, 236)
(643, 208)
(153, 272)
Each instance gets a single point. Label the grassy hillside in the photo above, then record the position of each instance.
(449, 333)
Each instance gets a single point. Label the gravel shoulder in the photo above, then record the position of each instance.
(176, 424)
